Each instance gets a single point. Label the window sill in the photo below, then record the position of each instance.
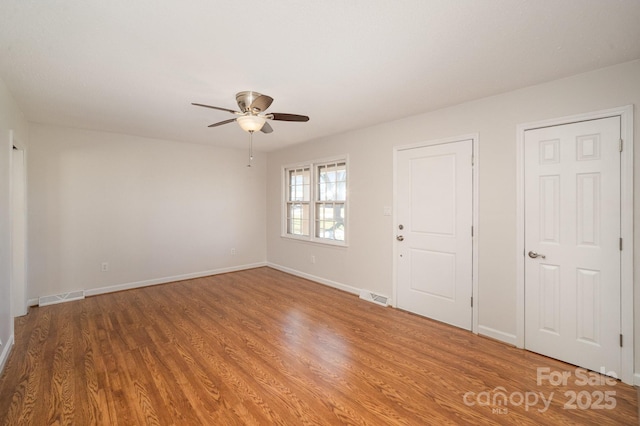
(314, 240)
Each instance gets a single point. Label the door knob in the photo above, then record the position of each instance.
(533, 255)
(399, 238)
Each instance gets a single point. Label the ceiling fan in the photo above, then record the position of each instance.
(252, 116)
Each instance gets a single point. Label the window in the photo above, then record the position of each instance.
(330, 200)
(316, 202)
(298, 200)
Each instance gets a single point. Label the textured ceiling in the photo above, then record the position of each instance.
(135, 66)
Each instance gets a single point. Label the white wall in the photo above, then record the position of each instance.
(11, 118)
(367, 262)
(155, 210)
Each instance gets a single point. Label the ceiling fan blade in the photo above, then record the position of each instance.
(266, 128)
(288, 117)
(218, 108)
(261, 103)
(222, 122)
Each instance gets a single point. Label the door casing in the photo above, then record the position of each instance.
(475, 139)
(18, 182)
(626, 196)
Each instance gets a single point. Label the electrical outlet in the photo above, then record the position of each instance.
(233, 252)
(104, 267)
(313, 259)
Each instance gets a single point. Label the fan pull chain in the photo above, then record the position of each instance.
(250, 149)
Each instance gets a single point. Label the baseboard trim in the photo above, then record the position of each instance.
(165, 280)
(5, 353)
(320, 280)
(497, 334)
(636, 381)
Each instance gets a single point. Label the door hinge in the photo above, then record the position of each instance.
(472, 301)
(472, 230)
(621, 145)
(621, 340)
(620, 243)
(472, 161)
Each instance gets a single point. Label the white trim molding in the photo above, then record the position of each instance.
(507, 338)
(475, 138)
(320, 280)
(6, 351)
(626, 198)
(165, 280)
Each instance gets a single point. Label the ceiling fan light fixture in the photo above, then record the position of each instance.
(251, 123)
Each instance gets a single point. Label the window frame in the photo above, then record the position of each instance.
(314, 200)
(289, 202)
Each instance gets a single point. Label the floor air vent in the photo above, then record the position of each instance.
(59, 298)
(375, 298)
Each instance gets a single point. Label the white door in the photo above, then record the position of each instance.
(572, 225)
(435, 215)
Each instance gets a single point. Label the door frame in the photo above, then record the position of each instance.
(626, 203)
(18, 307)
(474, 240)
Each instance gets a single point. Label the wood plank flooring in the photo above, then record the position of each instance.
(261, 347)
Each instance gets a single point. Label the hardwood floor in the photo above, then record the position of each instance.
(263, 347)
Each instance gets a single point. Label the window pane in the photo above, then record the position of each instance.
(299, 184)
(298, 219)
(331, 191)
(332, 182)
(306, 185)
(322, 191)
(341, 182)
(341, 191)
(330, 221)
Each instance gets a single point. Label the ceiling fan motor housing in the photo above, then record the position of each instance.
(245, 99)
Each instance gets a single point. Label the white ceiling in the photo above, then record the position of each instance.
(135, 66)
